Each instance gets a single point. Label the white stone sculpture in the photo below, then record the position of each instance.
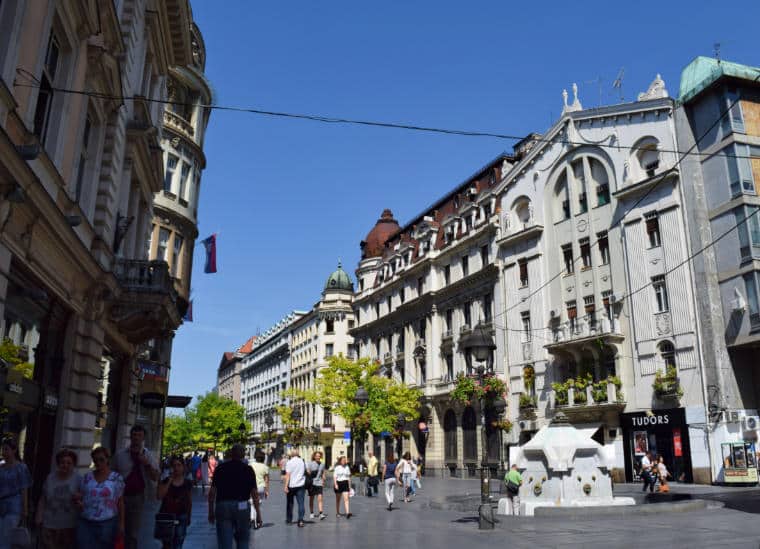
(656, 90)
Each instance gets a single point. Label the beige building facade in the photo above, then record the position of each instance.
(78, 173)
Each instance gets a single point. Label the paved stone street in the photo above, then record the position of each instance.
(417, 524)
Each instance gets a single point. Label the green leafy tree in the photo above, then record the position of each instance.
(11, 354)
(335, 388)
(178, 434)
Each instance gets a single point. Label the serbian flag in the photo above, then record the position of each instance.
(189, 313)
(210, 245)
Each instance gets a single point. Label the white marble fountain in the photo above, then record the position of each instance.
(562, 466)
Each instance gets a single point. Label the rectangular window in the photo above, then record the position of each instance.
(449, 319)
(487, 307)
(653, 230)
(748, 231)
(566, 209)
(44, 104)
(582, 203)
(184, 180)
(602, 194)
(176, 254)
(484, 256)
(607, 303)
(83, 155)
(567, 255)
(734, 110)
(589, 306)
(604, 248)
(388, 303)
(163, 244)
(447, 275)
(523, 266)
(377, 310)
(467, 317)
(740, 169)
(753, 304)
(420, 286)
(421, 330)
(660, 294)
(465, 266)
(527, 333)
(585, 252)
(572, 315)
(402, 294)
(171, 166)
(328, 349)
(329, 326)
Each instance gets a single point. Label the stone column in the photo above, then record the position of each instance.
(433, 363)
(5, 266)
(434, 458)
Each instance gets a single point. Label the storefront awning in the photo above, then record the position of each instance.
(176, 401)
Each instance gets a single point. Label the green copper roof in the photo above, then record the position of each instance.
(704, 71)
(339, 280)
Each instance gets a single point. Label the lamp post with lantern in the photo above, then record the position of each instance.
(362, 398)
(480, 346)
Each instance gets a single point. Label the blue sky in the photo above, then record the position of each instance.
(289, 198)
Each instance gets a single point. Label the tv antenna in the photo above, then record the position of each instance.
(598, 80)
(716, 49)
(618, 83)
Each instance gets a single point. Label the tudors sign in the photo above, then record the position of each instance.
(654, 418)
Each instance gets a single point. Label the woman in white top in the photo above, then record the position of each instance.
(405, 470)
(342, 485)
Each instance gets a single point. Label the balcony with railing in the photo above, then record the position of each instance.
(579, 331)
(179, 124)
(146, 305)
(587, 400)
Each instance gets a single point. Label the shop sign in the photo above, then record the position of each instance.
(677, 446)
(655, 418)
(650, 420)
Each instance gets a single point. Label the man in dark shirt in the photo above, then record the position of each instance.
(233, 485)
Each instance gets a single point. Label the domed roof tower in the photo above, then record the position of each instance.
(339, 281)
(386, 226)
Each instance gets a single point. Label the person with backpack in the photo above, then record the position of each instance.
(389, 479)
(514, 480)
(318, 473)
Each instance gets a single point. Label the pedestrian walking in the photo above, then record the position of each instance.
(663, 473)
(262, 481)
(404, 472)
(295, 486)
(414, 479)
(513, 480)
(204, 472)
(389, 479)
(100, 501)
(647, 474)
(56, 514)
(372, 474)
(318, 474)
(234, 483)
(138, 468)
(342, 486)
(176, 496)
(212, 463)
(14, 482)
(195, 467)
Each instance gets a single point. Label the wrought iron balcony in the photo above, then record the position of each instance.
(146, 307)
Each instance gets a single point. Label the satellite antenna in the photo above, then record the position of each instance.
(716, 49)
(618, 83)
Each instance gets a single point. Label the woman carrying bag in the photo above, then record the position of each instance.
(176, 509)
(14, 482)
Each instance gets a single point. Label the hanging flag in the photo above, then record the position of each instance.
(189, 313)
(210, 245)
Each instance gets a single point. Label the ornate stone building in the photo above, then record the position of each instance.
(421, 289)
(78, 173)
(318, 335)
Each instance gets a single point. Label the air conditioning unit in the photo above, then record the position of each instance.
(751, 423)
(615, 298)
(554, 313)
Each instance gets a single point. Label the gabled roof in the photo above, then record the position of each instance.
(247, 347)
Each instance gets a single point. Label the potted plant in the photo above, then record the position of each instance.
(469, 388)
(527, 402)
(502, 424)
(666, 384)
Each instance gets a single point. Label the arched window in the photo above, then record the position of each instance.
(450, 436)
(523, 213)
(469, 435)
(667, 354)
(579, 175)
(561, 198)
(646, 158)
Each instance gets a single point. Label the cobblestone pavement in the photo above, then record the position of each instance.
(417, 525)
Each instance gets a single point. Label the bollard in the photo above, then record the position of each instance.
(486, 519)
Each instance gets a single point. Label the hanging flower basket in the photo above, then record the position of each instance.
(469, 388)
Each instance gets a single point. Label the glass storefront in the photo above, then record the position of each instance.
(661, 432)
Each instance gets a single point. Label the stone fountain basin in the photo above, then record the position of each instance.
(528, 508)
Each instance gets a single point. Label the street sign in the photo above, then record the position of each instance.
(347, 435)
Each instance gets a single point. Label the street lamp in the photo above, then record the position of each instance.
(296, 417)
(269, 422)
(480, 345)
(400, 422)
(362, 398)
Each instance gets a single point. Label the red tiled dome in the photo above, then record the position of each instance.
(386, 226)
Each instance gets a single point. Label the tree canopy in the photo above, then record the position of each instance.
(210, 421)
(335, 389)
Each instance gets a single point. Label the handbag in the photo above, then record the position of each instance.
(20, 537)
(513, 488)
(164, 526)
